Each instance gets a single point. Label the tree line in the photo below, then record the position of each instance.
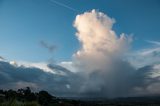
(26, 95)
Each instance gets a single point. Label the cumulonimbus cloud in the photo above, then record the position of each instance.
(100, 61)
(101, 50)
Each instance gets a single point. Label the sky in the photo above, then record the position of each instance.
(25, 23)
(70, 48)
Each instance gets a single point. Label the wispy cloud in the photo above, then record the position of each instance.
(153, 42)
(144, 57)
(63, 5)
(50, 47)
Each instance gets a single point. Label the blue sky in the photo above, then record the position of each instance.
(24, 23)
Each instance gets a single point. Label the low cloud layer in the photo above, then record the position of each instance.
(63, 82)
(15, 77)
(100, 68)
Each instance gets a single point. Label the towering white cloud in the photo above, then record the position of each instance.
(101, 50)
(99, 43)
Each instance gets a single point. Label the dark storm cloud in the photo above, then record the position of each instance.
(1, 58)
(17, 77)
(119, 82)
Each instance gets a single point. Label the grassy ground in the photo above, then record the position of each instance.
(17, 103)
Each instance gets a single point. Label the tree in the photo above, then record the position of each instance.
(1, 92)
(44, 98)
(11, 94)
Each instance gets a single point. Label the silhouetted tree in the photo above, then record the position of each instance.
(20, 95)
(26, 95)
(44, 98)
(10, 94)
(1, 92)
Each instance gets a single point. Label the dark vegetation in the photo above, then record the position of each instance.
(25, 97)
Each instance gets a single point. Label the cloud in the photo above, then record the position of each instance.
(1, 58)
(19, 76)
(99, 42)
(102, 67)
(148, 83)
(153, 42)
(41, 65)
(101, 49)
(102, 63)
(69, 65)
(65, 83)
(144, 57)
(50, 48)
